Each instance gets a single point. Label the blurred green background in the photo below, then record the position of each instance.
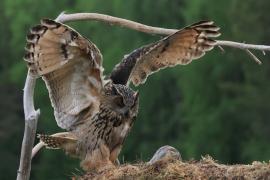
(218, 105)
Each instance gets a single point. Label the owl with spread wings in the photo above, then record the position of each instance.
(97, 111)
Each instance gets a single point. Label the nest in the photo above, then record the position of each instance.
(206, 168)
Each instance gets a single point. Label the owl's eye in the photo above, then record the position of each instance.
(119, 102)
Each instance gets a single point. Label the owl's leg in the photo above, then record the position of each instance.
(114, 155)
(66, 141)
(98, 160)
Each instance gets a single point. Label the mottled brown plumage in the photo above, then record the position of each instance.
(181, 47)
(98, 114)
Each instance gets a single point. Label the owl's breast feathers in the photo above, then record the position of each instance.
(106, 127)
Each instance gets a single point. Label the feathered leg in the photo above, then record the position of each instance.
(98, 160)
(66, 141)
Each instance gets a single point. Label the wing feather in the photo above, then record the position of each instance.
(71, 67)
(179, 48)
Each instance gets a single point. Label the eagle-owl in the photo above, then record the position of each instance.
(97, 111)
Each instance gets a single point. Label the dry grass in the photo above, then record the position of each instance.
(206, 168)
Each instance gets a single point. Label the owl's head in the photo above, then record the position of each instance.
(122, 99)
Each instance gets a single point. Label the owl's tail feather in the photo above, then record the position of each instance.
(65, 140)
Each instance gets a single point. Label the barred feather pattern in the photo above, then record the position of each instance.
(71, 67)
(187, 44)
(50, 141)
(56, 142)
(107, 127)
(181, 47)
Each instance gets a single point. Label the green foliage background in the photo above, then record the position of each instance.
(218, 105)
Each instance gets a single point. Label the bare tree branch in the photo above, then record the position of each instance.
(243, 45)
(246, 47)
(155, 30)
(37, 148)
(31, 119)
(253, 56)
(114, 21)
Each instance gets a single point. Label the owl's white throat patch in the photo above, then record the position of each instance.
(125, 129)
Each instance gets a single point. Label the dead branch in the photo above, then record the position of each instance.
(31, 119)
(155, 30)
(37, 147)
(114, 21)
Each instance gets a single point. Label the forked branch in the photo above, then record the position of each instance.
(155, 30)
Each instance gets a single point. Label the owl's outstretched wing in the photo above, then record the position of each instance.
(179, 48)
(71, 67)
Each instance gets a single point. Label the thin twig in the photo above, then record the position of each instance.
(221, 49)
(37, 148)
(253, 56)
(154, 30)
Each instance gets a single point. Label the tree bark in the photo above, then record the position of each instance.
(31, 119)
